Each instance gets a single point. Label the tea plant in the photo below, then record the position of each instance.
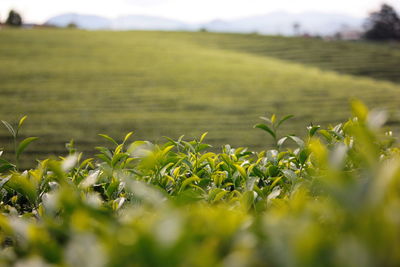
(19, 147)
(330, 199)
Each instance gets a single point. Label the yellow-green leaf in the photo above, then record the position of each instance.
(24, 144)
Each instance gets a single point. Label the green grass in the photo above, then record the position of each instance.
(75, 84)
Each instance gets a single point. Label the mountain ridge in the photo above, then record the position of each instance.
(281, 23)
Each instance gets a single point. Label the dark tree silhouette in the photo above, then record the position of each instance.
(296, 28)
(383, 25)
(14, 19)
(72, 25)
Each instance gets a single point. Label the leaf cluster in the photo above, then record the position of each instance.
(330, 199)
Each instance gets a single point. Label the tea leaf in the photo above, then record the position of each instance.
(9, 128)
(109, 139)
(284, 119)
(24, 144)
(21, 121)
(266, 128)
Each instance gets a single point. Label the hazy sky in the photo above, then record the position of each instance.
(186, 10)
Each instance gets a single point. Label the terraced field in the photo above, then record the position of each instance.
(378, 61)
(76, 84)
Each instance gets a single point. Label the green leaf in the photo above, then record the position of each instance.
(202, 147)
(127, 137)
(6, 167)
(258, 173)
(2, 161)
(213, 193)
(24, 144)
(290, 175)
(266, 128)
(284, 119)
(24, 186)
(164, 169)
(165, 151)
(103, 158)
(220, 195)
(281, 155)
(86, 163)
(297, 140)
(303, 156)
(21, 121)
(206, 156)
(274, 194)
(359, 110)
(118, 149)
(266, 119)
(241, 170)
(109, 139)
(337, 135)
(276, 181)
(326, 134)
(251, 182)
(90, 180)
(189, 146)
(248, 198)
(313, 129)
(203, 136)
(273, 118)
(188, 181)
(273, 171)
(282, 141)
(9, 128)
(112, 188)
(3, 181)
(104, 151)
(118, 158)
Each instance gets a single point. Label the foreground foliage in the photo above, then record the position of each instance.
(331, 199)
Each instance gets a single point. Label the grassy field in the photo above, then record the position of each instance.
(76, 84)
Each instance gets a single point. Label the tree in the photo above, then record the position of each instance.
(296, 28)
(14, 19)
(383, 25)
(72, 25)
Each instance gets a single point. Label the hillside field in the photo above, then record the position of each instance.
(75, 84)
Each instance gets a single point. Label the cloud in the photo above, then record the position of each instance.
(146, 3)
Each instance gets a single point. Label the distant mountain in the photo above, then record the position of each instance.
(282, 23)
(272, 23)
(137, 22)
(219, 26)
(132, 22)
(89, 22)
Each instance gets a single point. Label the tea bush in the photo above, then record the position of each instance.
(330, 199)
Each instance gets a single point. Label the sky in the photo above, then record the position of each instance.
(194, 11)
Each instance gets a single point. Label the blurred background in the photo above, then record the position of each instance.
(174, 67)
